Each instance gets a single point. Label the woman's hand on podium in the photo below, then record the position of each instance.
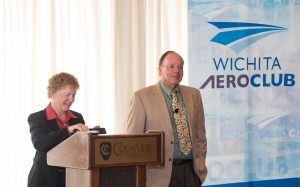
(78, 127)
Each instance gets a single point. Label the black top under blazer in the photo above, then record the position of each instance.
(45, 134)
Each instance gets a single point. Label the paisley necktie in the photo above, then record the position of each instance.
(185, 144)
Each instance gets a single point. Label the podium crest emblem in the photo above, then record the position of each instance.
(105, 150)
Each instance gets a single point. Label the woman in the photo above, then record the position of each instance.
(51, 126)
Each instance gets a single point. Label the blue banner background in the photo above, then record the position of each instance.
(252, 128)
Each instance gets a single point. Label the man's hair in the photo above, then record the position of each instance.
(162, 58)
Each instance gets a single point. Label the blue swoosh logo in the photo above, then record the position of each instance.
(239, 35)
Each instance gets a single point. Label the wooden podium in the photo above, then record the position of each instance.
(108, 160)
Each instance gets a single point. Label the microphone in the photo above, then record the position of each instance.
(93, 131)
(97, 130)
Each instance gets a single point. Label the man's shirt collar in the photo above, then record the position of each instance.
(166, 89)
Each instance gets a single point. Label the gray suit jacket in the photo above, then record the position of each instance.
(148, 111)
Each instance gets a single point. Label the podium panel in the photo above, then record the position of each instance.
(108, 160)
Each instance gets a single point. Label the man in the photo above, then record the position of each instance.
(178, 111)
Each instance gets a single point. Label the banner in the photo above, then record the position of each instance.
(244, 57)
